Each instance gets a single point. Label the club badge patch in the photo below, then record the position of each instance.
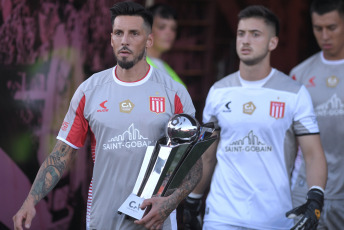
(157, 104)
(277, 109)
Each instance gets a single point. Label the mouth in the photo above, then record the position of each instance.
(245, 50)
(326, 46)
(124, 51)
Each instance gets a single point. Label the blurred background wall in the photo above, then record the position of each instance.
(47, 48)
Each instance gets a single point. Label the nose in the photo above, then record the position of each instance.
(125, 40)
(324, 34)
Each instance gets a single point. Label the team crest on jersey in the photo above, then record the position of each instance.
(277, 109)
(157, 104)
(332, 81)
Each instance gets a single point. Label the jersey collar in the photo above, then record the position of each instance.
(135, 83)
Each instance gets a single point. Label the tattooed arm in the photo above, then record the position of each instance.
(47, 177)
(161, 207)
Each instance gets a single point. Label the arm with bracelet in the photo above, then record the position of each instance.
(316, 170)
(192, 204)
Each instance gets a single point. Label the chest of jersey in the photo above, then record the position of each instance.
(128, 118)
(259, 109)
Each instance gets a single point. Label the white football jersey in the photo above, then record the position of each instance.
(258, 122)
(123, 118)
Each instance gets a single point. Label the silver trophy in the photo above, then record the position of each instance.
(167, 163)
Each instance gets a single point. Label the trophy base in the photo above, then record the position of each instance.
(131, 207)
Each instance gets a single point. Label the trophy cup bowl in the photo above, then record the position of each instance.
(182, 128)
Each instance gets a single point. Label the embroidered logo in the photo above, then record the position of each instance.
(332, 81)
(126, 106)
(249, 108)
(277, 109)
(311, 82)
(227, 110)
(103, 107)
(64, 126)
(157, 104)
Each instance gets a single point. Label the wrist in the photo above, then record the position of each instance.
(317, 187)
(195, 195)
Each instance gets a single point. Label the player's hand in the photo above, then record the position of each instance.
(158, 209)
(191, 214)
(309, 212)
(24, 216)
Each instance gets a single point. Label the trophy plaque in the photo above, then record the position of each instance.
(166, 164)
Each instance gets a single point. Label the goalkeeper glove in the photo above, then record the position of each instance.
(191, 218)
(310, 211)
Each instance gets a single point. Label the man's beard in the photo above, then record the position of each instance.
(254, 61)
(129, 64)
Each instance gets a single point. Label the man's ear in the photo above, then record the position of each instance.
(111, 40)
(149, 42)
(273, 43)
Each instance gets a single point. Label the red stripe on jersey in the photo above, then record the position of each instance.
(93, 146)
(178, 106)
(78, 131)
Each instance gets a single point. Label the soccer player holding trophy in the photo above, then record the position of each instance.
(125, 109)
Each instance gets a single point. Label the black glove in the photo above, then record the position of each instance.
(191, 212)
(310, 210)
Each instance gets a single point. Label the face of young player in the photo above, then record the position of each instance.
(328, 30)
(255, 40)
(129, 39)
(164, 33)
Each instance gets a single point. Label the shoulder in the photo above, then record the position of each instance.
(98, 79)
(306, 64)
(282, 82)
(163, 79)
(230, 80)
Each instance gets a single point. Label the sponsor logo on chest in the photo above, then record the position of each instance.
(130, 138)
(249, 143)
(333, 107)
(126, 106)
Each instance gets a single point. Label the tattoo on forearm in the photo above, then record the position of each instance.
(188, 184)
(51, 171)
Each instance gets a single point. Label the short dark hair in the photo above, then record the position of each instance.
(325, 6)
(163, 10)
(259, 11)
(131, 9)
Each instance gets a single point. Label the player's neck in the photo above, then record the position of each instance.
(154, 53)
(135, 73)
(254, 72)
(336, 57)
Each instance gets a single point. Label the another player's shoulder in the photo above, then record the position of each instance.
(165, 80)
(230, 80)
(98, 79)
(282, 82)
(313, 60)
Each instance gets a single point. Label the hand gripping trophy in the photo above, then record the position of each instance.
(167, 163)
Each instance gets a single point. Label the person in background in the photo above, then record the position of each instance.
(323, 76)
(261, 115)
(164, 34)
(124, 109)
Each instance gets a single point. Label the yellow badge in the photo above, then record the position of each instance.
(332, 81)
(126, 106)
(249, 108)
